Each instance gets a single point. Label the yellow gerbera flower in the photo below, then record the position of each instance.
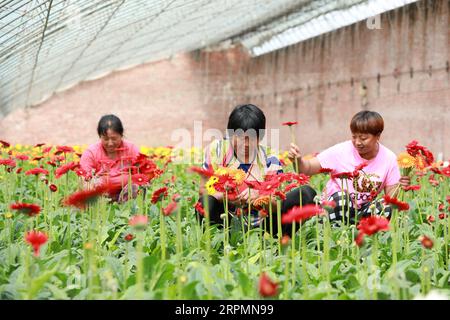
(210, 185)
(405, 160)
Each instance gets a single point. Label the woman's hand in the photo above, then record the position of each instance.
(242, 198)
(294, 153)
(405, 181)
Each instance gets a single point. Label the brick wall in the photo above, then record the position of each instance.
(400, 70)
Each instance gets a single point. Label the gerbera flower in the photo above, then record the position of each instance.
(159, 194)
(139, 222)
(405, 160)
(285, 240)
(361, 166)
(369, 226)
(199, 208)
(326, 170)
(63, 149)
(29, 209)
(65, 168)
(47, 149)
(261, 202)
(262, 213)
(207, 173)
(426, 242)
(394, 202)
(5, 144)
(446, 171)
(36, 171)
(267, 287)
(36, 239)
(8, 163)
(53, 188)
(167, 211)
(411, 188)
(22, 157)
(83, 198)
(38, 158)
(129, 237)
(280, 195)
(210, 185)
(140, 179)
(299, 214)
(342, 175)
(37, 145)
(289, 187)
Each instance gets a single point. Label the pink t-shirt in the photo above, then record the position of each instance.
(95, 159)
(381, 171)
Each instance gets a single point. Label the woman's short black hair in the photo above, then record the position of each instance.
(109, 121)
(247, 117)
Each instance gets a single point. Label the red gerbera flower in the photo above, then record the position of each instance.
(326, 170)
(83, 198)
(199, 208)
(207, 173)
(47, 149)
(289, 123)
(19, 170)
(36, 171)
(289, 187)
(280, 195)
(426, 242)
(267, 287)
(38, 158)
(176, 197)
(361, 166)
(8, 163)
(416, 150)
(411, 188)
(369, 226)
(63, 149)
(29, 209)
(159, 194)
(342, 175)
(299, 214)
(36, 239)
(394, 202)
(53, 188)
(140, 179)
(269, 186)
(167, 211)
(65, 168)
(5, 144)
(442, 215)
(129, 237)
(446, 171)
(22, 157)
(431, 219)
(37, 145)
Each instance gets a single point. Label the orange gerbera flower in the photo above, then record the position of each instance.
(405, 160)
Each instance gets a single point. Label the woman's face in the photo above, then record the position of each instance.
(245, 146)
(365, 143)
(111, 141)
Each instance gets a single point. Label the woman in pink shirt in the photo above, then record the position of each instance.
(375, 167)
(108, 159)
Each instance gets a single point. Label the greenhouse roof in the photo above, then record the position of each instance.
(47, 46)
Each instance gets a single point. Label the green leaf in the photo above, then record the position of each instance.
(38, 283)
